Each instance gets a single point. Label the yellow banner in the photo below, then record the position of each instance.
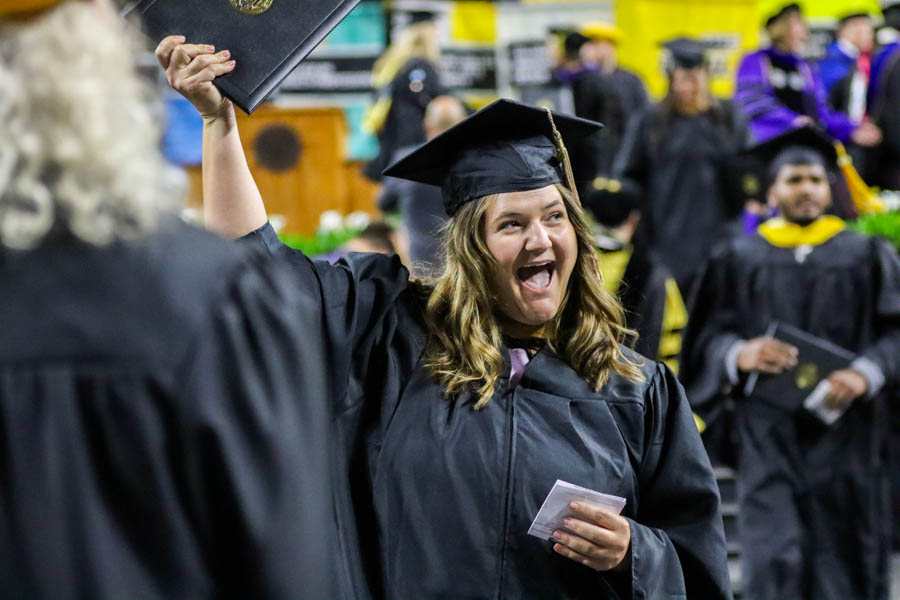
(733, 24)
(473, 22)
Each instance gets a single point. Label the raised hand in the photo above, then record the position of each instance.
(191, 69)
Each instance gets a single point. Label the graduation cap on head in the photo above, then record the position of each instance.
(758, 165)
(505, 147)
(686, 53)
(854, 10)
(779, 9)
(267, 38)
(421, 16)
(602, 32)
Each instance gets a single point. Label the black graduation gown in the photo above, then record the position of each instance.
(434, 500)
(151, 437)
(608, 98)
(682, 164)
(643, 296)
(814, 504)
(411, 89)
(882, 162)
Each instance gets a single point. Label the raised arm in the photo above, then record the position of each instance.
(232, 205)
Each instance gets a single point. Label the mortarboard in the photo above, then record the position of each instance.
(505, 147)
(757, 166)
(16, 8)
(778, 9)
(686, 53)
(804, 137)
(421, 16)
(267, 38)
(601, 31)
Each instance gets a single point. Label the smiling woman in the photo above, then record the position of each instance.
(462, 400)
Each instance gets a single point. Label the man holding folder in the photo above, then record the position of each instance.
(813, 493)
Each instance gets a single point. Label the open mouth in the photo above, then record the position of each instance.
(536, 277)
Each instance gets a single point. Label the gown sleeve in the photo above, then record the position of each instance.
(885, 351)
(677, 539)
(251, 446)
(360, 297)
(710, 334)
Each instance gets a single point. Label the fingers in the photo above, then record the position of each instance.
(166, 47)
(203, 62)
(183, 54)
(579, 558)
(208, 74)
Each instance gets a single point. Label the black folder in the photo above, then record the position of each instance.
(816, 359)
(267, 45)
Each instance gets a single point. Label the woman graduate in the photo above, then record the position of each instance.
(462, 401)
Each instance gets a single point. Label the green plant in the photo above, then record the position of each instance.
(886, 225)
(321, 242)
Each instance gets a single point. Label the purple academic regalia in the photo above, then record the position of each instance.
(761, 72)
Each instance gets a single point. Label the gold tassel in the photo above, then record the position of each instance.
(864, 199)
(562, 154)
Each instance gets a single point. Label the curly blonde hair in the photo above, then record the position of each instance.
(79, 148)
(463, 350)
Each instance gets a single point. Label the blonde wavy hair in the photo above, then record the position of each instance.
(464, 346)
(79, 148)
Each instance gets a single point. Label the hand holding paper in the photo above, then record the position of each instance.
(585, 525)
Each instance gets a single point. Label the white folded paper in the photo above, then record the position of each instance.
(556, 507)
(815, 403)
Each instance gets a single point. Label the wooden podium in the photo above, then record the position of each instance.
(297, 157)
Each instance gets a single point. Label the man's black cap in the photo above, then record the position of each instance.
(807, 137)
(686, 53)
(505, 147)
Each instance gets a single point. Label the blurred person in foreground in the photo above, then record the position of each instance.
(779, 90)
(463, 399)
(152, 442)
(419, 204)
(653, 305)
(680, 154)
(882, 162)
(814, 498)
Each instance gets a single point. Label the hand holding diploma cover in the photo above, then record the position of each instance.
(267, 38)
(805, 385)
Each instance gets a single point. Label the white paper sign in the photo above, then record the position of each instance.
(556, 507)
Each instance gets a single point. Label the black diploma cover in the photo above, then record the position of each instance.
(267, 38)
(816, 359)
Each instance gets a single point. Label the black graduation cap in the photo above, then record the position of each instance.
(779, 9)
(750, 173)
(686, 53)
(504, 147)
(421, 16)
(807, 137)
(267, 38)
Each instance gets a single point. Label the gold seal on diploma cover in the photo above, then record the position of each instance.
(807, 376)
(252, 7)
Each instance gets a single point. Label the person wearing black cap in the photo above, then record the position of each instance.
(813, 496)
(679, 153)
(150, 448)
(464, 399)
(779, 90)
